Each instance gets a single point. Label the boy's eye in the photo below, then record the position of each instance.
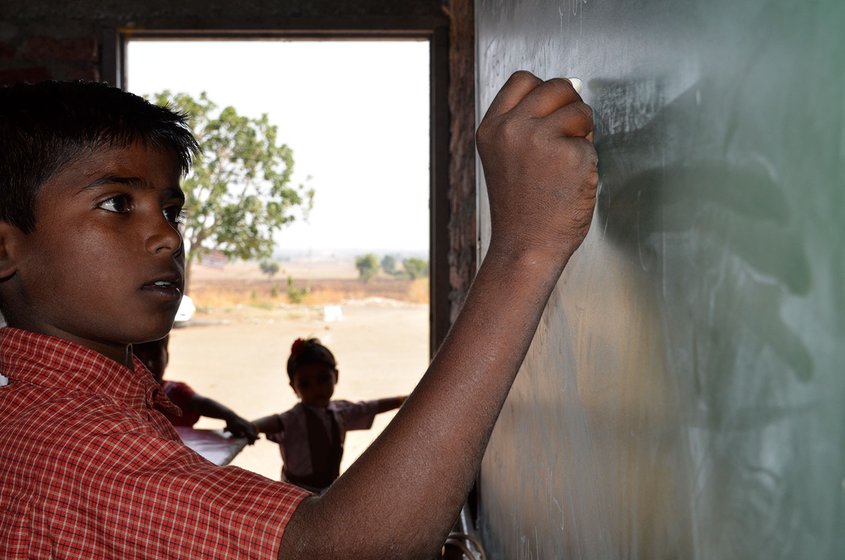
(175, 214)
(120, 204)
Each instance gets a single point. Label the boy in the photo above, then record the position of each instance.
(91, 262)
(311, 434)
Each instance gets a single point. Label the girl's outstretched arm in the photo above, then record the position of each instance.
(390, 403)
(268, 424)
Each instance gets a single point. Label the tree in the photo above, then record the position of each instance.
(388, 264)
(239, 192)
(415, 268)
(367, 266)
(268, 267)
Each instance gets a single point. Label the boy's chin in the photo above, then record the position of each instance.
(152, 334)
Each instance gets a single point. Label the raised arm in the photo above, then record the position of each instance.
(541, 172)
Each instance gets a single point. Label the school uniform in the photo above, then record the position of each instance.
(311, 440)
(92, 468)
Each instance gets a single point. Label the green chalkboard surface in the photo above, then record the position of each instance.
(684, 397)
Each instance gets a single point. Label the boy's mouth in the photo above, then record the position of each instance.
(167, 287)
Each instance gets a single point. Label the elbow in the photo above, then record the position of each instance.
(315, 532)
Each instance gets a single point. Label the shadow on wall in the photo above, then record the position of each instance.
(709, 228)
(727, 220)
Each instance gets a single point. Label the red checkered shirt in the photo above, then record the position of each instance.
(90, 469)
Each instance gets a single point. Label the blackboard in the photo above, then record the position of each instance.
(684, 396)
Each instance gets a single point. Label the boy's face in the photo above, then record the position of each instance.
(104, 266)
(314, 383)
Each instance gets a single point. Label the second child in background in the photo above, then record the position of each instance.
(155, 357)
(311, 434)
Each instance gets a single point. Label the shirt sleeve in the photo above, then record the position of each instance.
(181, 394)
(278, 437)
(357, 415)
(178, 392)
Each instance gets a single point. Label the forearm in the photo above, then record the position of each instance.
(268, 424)
(444, 425)
(213, 409)
(541, 172)
(235, 424)
(391, 403)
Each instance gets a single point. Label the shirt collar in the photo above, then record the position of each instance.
(56, 363)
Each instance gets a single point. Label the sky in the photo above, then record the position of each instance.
(355, 113)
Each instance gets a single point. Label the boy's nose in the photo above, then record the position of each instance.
(165, 237)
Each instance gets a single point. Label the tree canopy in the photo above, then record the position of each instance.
(388, 264)
(239, 192)
(367, 266)
(415, 268)
(269, 267)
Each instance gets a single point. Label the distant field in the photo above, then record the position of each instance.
(319, 282)
(323, 268)
(236, 347)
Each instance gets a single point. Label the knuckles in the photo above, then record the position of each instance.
(523, 76)
(485, 133)
(563, 88)
(586, 110)
(584, 113)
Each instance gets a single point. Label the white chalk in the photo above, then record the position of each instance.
(577, 84)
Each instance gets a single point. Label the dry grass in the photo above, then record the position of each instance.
(265, 293)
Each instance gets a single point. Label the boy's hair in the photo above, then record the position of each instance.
(309, 351)
(46, 126)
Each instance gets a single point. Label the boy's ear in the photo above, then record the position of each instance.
(10, 237)
(336, 375)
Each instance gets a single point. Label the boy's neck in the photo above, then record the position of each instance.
(120, 353)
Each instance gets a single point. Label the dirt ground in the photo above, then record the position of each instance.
(237, 356)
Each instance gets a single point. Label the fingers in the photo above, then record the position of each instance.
(574, 119)
(525, 96)
(515, 89)
(548, 97)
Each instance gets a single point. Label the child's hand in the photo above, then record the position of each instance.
(239, 427)
(536, 148)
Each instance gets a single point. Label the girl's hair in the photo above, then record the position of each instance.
(309, 351)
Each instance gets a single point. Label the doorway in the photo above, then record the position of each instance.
(308, 88)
